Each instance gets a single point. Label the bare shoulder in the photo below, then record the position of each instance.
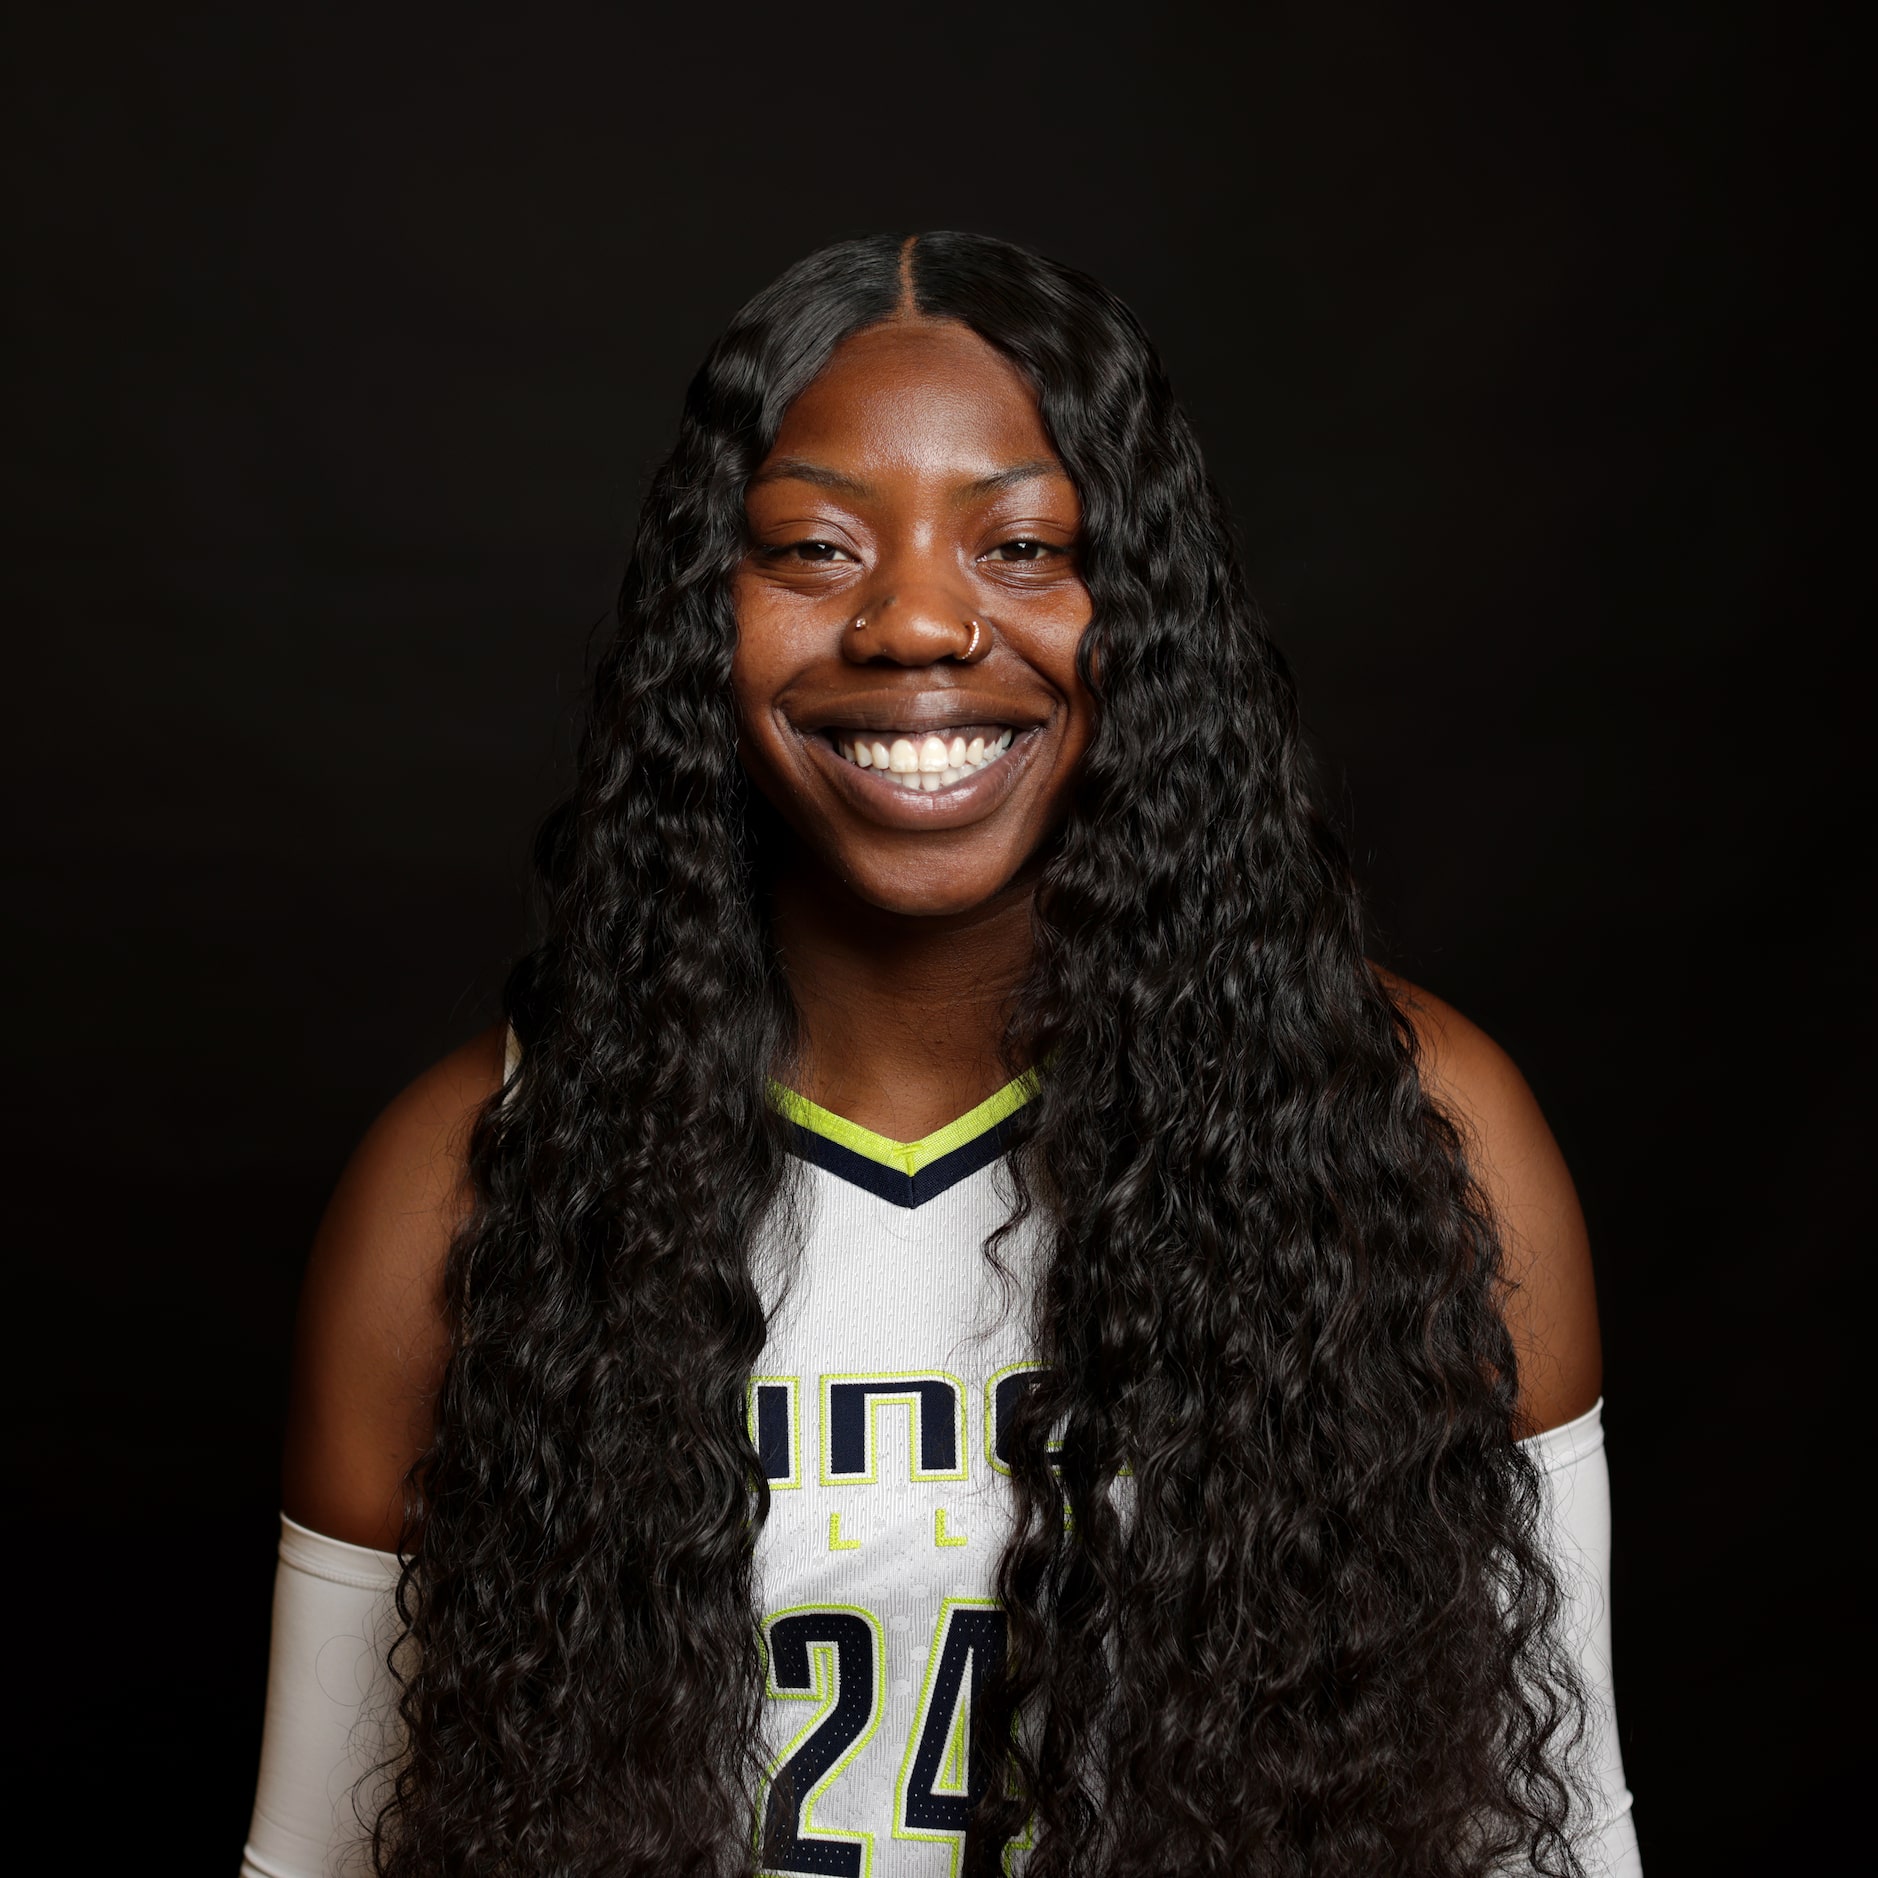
(371, 1340)
(1552, 1310)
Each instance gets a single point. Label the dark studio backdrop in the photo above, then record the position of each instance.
(340, 345)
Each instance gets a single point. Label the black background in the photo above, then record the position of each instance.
(340, 346)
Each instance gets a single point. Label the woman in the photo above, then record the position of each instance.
(960, 1319)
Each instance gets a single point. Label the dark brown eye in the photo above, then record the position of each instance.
(1022, 549)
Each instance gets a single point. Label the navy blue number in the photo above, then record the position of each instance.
(943, 1781)
(793, 1646)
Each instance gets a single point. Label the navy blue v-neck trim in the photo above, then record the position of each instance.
(889, 1183)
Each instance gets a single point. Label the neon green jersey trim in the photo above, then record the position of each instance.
(909, 1157)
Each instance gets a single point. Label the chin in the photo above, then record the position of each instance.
(913, 896)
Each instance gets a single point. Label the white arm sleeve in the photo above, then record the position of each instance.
(330, 1694)
(1578, 1498)
(330, 1708)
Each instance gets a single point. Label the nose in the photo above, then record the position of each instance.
(915, 625)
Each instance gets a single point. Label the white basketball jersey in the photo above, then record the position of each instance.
(877, 1411)
(891, 1365)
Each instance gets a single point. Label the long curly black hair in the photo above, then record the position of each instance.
(1322, 1641)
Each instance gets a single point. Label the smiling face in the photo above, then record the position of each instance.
(924, 756)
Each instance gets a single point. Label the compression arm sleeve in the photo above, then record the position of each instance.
(330, 1709)
(330, 1696)
(1578, 1501)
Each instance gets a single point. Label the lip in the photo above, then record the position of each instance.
(914, 714)
(968, 800)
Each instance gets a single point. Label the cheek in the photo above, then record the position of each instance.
(1058, 659)
(757, 663)
(745, 684)
(1079, 717)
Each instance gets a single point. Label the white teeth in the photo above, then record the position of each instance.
(931, 763)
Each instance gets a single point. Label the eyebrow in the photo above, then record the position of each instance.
(1017, 473)
(799, 469)
(795, 469)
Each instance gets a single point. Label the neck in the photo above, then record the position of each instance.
(902, 1016)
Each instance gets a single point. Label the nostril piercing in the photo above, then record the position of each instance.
(973, 647)
(859, 623)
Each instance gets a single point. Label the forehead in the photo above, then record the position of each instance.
(916, 395)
